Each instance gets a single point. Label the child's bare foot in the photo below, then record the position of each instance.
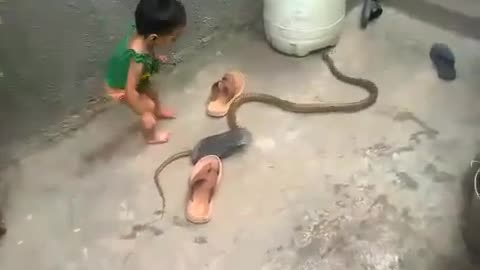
(165, 113)
(159, 137)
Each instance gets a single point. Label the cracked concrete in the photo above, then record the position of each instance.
(379, 189)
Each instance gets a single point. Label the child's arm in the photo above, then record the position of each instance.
(131, 93)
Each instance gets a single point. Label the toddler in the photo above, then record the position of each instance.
(158, 23)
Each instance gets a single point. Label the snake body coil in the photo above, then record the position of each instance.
(348, 107)
(286, 105)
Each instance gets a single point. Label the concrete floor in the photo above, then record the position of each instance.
(377, 190)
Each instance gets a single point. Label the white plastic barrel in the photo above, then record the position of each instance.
(298, 27)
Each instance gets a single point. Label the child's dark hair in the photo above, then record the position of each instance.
(160, 17)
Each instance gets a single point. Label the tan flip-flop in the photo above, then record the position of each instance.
(203, 184)
(224, 92)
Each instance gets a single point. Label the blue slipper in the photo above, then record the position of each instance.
(444, 61)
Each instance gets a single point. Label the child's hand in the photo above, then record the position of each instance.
(162, 58)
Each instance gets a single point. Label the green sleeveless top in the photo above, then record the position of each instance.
(119, 63)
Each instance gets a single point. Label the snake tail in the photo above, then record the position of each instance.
(160, 168)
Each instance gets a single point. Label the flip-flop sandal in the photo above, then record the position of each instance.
(376, 12)
(443, 60)
(224, 92)
(371, 11)
(203, 184)
(222, 145)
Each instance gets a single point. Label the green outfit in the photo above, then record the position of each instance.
(119, 63)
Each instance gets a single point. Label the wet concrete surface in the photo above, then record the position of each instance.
(379, 189)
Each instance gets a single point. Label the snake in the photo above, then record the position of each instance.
(286, 105)
(172, 158)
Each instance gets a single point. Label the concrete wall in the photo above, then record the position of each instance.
(52, 53)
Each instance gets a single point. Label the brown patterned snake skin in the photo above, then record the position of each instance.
(348, 107)
(160, 168)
